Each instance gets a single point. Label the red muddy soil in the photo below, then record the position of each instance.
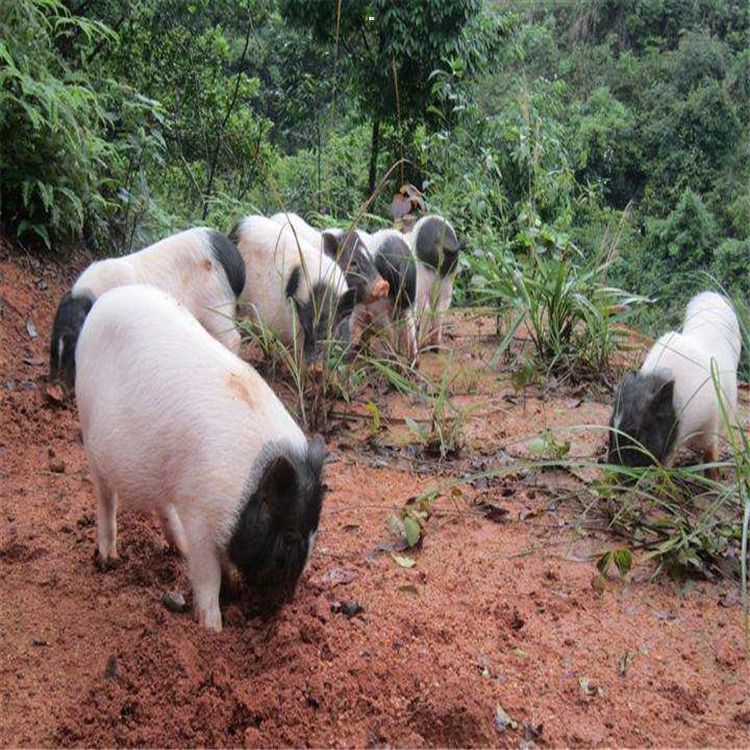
(492, 614)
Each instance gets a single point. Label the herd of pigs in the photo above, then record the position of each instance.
(174, 421)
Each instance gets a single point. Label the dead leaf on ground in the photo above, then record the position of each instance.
(532, 733)
(502, 720)
(664, 614)
(493, 512)
(729, 599)
(588, 689)
(403, 561)
(335, 577)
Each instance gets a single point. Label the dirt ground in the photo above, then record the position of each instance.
(493, 614)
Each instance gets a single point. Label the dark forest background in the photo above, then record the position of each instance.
(610, 133)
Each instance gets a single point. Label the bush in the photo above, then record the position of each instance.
(731, 266)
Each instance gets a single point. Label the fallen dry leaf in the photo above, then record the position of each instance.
(335, 577)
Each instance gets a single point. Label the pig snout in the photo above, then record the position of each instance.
(378, 290)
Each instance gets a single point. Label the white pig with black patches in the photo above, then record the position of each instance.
(199, 267)
(394, 311)
(359, 270)
(436, 249)
(302, 229)
(292, 287)
(673, 401)
(174, 422)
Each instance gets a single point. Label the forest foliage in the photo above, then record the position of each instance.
(604, 133)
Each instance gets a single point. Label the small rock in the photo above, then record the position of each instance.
(57, 465)
(37, 641)
(31, 329)
(174, 601)
(41, 285)
(28, 385)
(348, 609)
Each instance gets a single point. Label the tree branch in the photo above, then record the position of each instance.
(219, 134)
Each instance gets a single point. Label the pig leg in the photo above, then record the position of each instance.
(106, 525)
(205, 577)
(429, 320)
(171, 526)
(443, 304)
(423, 314)
(409, 343)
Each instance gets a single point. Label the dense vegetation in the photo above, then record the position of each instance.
(607, 135)
(580, 148)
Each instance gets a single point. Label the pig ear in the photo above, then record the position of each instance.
(277, 485)
(346, 304)
(665, 393)
(330, 245)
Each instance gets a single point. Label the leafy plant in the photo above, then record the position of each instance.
(56, 162)
(443, 436)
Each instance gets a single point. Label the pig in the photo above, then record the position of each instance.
(436, 248)
(292, 287)
(672, 401)
(394, 261)
(359, 271)
(302, 229)
(174, 422)
(200, 267)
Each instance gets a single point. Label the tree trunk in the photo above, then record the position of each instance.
(374, 150)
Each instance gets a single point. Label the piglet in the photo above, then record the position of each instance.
(436, 249)
(672, 401)
(392, 312)
(292, 287)
(199, 267)
(343, 247)
(174, 422)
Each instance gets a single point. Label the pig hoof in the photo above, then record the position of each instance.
(104, 564)
(209, 619)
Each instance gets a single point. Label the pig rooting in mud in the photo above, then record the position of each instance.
(276, 527)
(174, 422)
(643, 422)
